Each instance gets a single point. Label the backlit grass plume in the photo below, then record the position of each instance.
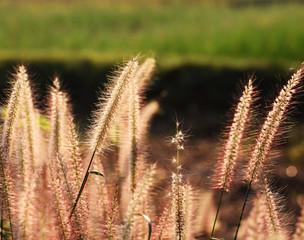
(42, 174)
(299, 233)
(269, 131)
(58, 115)
(12, 112)
(144, 73)
(105, 114)
(133, 131)
(140, 193)
(108, 105)
(254, 228)
(74, 159)
(31, 124)
(224, 174)
(129, 147)
(59, 204)
(9, 131)
(111, 229)
(145, 116)
(188, 208)
(178, 191)
(271, 125)
(165, 226)
(272, 212)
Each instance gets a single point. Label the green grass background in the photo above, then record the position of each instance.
(175, 33)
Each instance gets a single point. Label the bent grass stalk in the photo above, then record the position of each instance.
(104, 119)
(268, 132)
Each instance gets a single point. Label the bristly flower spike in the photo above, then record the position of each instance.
(105, 115)
(13, 108)
(272, 214)
(223, 176)
(177, 188)
(58, 118)
(30, 122)
(133, 131)
(11, 122)
(268, 132)
(299, 233)
(271, 125)
(225, 173)
(140, 194)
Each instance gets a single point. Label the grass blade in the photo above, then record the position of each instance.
(97, 173)
(149, 223)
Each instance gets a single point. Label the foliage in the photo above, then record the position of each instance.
(176, 33)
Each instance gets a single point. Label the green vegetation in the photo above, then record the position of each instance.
(175, 33)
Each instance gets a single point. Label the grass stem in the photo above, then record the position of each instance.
(245, 201)
(217, 212)
(85, 179)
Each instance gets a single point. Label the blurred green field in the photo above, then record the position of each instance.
(176, 33)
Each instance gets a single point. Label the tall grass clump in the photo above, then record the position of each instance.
(57, 185)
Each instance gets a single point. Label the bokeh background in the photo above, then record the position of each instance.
(204, 50)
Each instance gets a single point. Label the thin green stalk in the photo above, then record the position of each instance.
(217, 212)
(85, 179)
(245, 201)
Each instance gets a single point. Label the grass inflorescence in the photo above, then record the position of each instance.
(56, 185)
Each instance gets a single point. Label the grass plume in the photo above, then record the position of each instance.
(104, 115)
(139, 195)
(268, 132)
(43, 176)
(225, 172)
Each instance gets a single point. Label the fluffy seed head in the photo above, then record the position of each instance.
(223, 176)
(31, 125)
(299, 233)
(107, 108)
(133, 131)
(272, 211)
(13, 108)
(144, 73)
(59, 111)
(272, 123)
(140, 194)
(178, 206)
